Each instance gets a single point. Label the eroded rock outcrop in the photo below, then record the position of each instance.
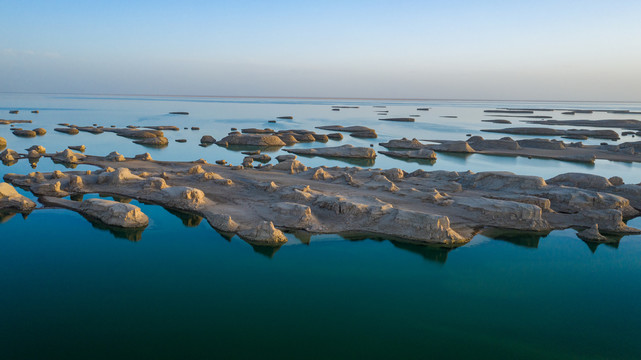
(12, 201)
(439, 207)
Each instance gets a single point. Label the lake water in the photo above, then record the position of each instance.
(179, 289)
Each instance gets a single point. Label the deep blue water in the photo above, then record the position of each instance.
(73, 290)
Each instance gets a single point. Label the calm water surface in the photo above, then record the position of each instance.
(181, 290)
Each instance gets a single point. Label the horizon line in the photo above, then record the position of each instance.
(306, 97)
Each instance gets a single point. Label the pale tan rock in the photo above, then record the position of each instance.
(12, 200)
(321, 174)
(9, 155)
(592, 234)
(114, 213)
(196, 170)
(155, 183)
(403, 143)
(616, 181)
(504, 214)
(115, 156)
(33, 154)
(291, 166)
(75, 183)
(119, 176)
(68, 156)
(57, 174)
(37, 148)
(145, 157)
(222, 222)
(251, 139)
(49, 189)
(580, 180)
(183, 197)
(264, 234)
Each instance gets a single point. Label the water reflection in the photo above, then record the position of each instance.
(432, 253)
(8, 215)
(65, 164)
(303, 236)
(351, 161)
(188, 219)
(268, 251)
(121, 233)
(528, 239)
(412, 160)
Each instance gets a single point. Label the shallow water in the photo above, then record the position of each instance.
(182, 290)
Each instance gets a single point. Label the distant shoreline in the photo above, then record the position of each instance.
(319, 97)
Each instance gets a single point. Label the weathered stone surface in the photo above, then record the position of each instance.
(12, 200)
(145, 156)
(425, 154)
(345, 151)
(264, 234)
(207, 139)
(119, 176)
(437, 207)
(479, 144)
(222, 222)
(154, 141)
(592, 235)
(403, 143)
(3, 142)
(68, 156)
(183, 197)
(281, 158)
(24, 133)
(67, 130)
(9, 155)
(37, 148)
(291, 166)
(80, 148)
(114, 213)
(115, 156)
(505, 214)
(581, 180)
(251, 139)
(453, 146)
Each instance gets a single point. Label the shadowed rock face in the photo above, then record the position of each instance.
(438, 207)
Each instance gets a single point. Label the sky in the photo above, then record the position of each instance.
(504, 50)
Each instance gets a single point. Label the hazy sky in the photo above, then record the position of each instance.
(556, 50)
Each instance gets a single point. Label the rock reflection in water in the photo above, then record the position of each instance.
(528, 239)
(268, 251)
(129, 234)
(189, 220)
(433, 253)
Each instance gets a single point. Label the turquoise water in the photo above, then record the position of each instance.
(73, 290)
